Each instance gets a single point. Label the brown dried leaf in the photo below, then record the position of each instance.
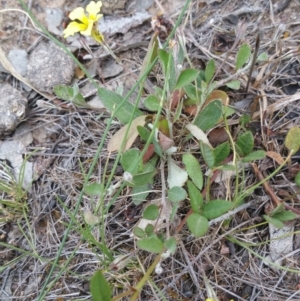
(116, 141)
(217, 94)
(224, 249)
(276, 157)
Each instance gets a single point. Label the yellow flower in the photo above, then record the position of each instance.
(85, 22)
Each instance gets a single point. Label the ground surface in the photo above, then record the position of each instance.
(66, 138)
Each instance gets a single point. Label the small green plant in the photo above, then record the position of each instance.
(13, 202)
(161, 134)
(157, 148)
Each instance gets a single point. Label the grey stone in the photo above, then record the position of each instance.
(12, 109)
(19, 60)
(54, 17)
(49, 66)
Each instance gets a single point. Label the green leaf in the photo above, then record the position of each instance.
(209, 116)
(70, 94)
(216, 208)
(234, 85)
(178, 112)
(149, 229)
(228, 167)
(168, 65)
(297, 179)
(191, 92)
(172, 73)
(175, 207)
(171, 244)
(181, 54)
(151, 212)
(186, 77)
(210, 70)
(292, 140)
(244, 119)
(193, 169)
(157, 148)
(197, 224)
(94, 189)
(152, 103)
(196, 199)
(208, 154)
(151, 244)
(200, 79)
(143, 132)
(245, 143)
(279, 208)
(221, 152)
(140, 193)
(164, 57)
(150, 55)
(138, 232)
(100, 289)
(227, 111)
(112, 100)
(285, 216)
(243, 56)
(159, 92)
(143, 178)
(177, 194)
(262, 57)
(256, 155)
(275, 222)
(131, 159)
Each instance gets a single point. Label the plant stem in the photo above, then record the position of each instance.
(142, 282)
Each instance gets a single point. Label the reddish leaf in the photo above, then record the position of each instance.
(165, 142)
(191, 110)
(149, 153)
(217, 136)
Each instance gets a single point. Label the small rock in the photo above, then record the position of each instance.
(109, 26)
(113, 6)
(19, 60)
(12, 109)
(95, 103)
(110, 69)
(49, 66)
(138, 5)
(13, 151)
(23, 134)
(54, 17)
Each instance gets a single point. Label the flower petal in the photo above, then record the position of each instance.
(74, 27)
(77, 13)
(93, 9)
(88, 30)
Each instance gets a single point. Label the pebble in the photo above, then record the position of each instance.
(19, 60)
(12, 109)
(49, 66)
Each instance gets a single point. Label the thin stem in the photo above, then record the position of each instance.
(142, 282)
